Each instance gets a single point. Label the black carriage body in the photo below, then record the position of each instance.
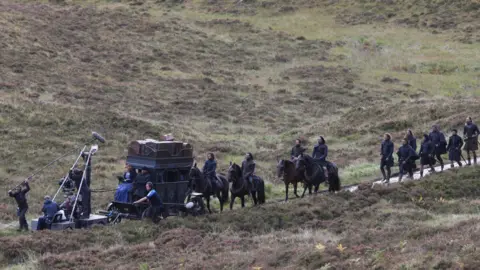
(169, 164)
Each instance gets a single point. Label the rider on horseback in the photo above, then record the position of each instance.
(320, 153)
(248, 169)
(297, 149)
(209, 170)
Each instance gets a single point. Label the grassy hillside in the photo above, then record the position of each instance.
(421, 224)
(231, 77)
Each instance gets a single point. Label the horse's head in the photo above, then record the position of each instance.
(280, 167)
(300, 163)
(194, 175)
(233, 172)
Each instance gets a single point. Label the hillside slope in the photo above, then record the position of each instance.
(420, 224)
(225, 80)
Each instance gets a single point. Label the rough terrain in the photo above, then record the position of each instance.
(231, 77)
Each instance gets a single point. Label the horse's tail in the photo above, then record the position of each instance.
(334, 180)
(225, 192)
(261, 191)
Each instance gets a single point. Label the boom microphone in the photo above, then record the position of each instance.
(97, 136)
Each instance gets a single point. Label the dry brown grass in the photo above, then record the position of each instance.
(399, 227)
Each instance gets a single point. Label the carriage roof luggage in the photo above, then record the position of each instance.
(159, 154)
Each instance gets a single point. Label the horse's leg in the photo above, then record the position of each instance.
(208, 203)
(310, 186)
(305, 186)
(316, 188)
(243, 201)
(286, 190)
(220, 199)
(295, 189)
(254, 197)
(231, 201)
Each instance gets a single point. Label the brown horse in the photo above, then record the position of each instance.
(286, 170)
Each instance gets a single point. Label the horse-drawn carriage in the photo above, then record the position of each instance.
(168, 164)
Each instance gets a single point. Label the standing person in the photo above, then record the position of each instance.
(454, 148)
(386, 152)
(412, 141)
(470, 133)
(156, 204)
(427, 152)
(406, 159)
(440, 143)
(21, 199)
(297, 149)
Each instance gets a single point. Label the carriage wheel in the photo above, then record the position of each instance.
(201, 207)
(116, 218)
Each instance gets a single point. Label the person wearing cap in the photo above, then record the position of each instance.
(470, 133)
(440, 143)
(156, 204)
(50, 208)
(20, 197)
(454, 148)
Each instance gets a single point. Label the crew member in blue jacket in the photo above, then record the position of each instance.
(156, 205)
(386, 153)
(50, 208)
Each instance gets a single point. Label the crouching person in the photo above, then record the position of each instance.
(50, 208)
(156, 206)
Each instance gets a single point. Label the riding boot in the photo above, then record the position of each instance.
(389, 173)
(474, 158)
(421, 173)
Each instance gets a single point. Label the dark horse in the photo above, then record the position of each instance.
(201, 184)
(314, 174)
(286, 170)
(240, 187)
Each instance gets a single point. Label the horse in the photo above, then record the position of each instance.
(286, 170)
(314, 174)
(240, 187)
(201, 184)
